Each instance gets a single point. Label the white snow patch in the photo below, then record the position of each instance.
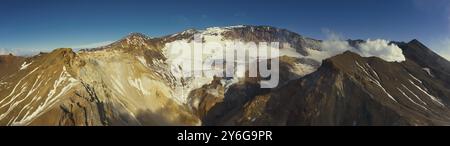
(50, 100)
(428, 71)
(429, 95)
(415, 78)
(375, 81)
(373, 71)
(417, 97)
(15, 87)
(25, 65)
(407, 97)
(384, 90)
(362, 68)
(52, 97)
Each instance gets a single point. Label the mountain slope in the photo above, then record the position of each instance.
(430, 62)
(36, 87)
(10, 64)
(351, 90)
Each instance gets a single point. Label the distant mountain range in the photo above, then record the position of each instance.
(322, 82)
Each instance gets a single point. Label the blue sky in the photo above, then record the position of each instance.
(49, 24)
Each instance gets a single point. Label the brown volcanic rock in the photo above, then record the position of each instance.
(426, 58)
(36, 87)
(206, 97)
(10, 64)
(351, 90)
